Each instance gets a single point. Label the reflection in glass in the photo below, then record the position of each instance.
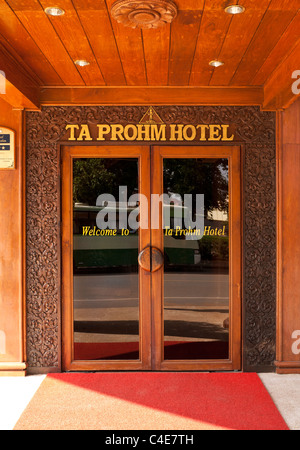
(196, 280)
(106, 299)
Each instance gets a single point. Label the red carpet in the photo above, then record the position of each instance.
(130, 350)
(151, 401)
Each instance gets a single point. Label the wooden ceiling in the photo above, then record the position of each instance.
(259, 48)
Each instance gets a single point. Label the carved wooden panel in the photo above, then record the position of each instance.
(255, 130)
(259, 308)
(144, 13)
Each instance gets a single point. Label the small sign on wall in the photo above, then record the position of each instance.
(7, 148)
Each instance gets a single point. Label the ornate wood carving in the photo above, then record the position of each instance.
(259, 255)
(144, 13)
(46, 131)
(43, 250)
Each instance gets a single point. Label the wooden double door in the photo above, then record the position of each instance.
(151, 258)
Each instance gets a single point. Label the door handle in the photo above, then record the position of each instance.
(151, 259)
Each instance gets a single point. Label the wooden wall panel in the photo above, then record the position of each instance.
(288, 295)
(12, 355)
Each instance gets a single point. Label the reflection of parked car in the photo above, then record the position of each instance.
(101, 252)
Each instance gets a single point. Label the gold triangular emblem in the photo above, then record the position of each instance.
(151, 117)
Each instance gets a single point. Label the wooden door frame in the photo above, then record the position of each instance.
(142, 153)
(232, 153)
(151, 309)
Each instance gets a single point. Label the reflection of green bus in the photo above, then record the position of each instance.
(105, 252)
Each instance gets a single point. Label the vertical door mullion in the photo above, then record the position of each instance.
(145, 241)
(157, 241)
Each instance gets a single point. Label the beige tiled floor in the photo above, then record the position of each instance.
(15, 394)
(285, 392)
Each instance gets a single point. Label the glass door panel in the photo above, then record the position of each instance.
(196, 270)
(105, 254)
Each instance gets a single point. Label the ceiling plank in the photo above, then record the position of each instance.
(96, 23)
(130, 46)
(38, 25)
(274, 23)
(278, 92)
(72, 35)
(20, 87)
(18, 60)
(24, 5)
(234, 96)
(184, 34)
(252, 45)
(18, 38)
(156, 48)
(190, 5)
(213, 29)
(90, 5)
(237, 40)
(280, 51)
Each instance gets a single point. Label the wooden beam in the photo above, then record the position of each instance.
(278, 92)
(21, 91)
(231, 96)
(14, 97)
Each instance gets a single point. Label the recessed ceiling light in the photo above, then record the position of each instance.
(235, 9)
(216, 63)
(82, 62)
(54, 11)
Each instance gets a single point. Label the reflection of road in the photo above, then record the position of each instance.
(119, 291)
(106, 307)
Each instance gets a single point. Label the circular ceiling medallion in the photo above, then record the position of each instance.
(144, 13)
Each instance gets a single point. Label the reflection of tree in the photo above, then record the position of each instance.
(199, 176)
(95, 176)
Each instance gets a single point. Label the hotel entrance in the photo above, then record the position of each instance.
(151, 258)
(150, 186)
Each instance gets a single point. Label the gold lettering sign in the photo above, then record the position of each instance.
(151, 129)
(7, 148)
